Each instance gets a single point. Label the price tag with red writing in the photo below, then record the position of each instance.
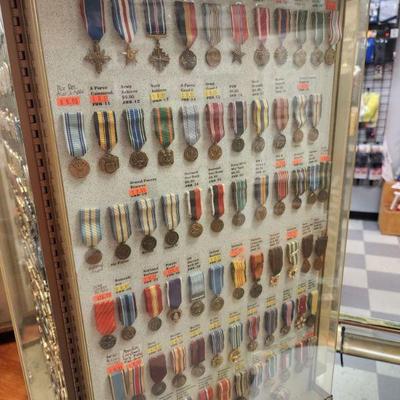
(63, 101)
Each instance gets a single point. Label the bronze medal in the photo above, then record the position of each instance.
(79, 168)
(274, 280)
(285, 330)
(217, 225)
(154, 324)
(216, 361)
(252, 345)
(158, 58)
(296, 203)
(191, 153)
(217, 303)
(238, 293)
(330, 56)
(171, 238)
(178, 380)
(300, 322)
(305, 266)
(318, 263)
(238, 219)
(261, 56)
(310, 320)
(188, 60)
(213, 57)
(311, 198)
(237, 55)
(214, 152)
(149, 243)
(234, 355)
(138, 159)
(292, 272)
(123, 251)
(198, 370)
(196, 229)
(317, 56)
(256, 290)
(109, 163)
(299, 57)
(174, 314)
(323, 196)
(130, 55)
(279, 208)
(298, 136)
(313, 135)
(197, 308)
(269, 340)
(259, 144)
(93, 256)
(261, 213)
(158, 388)
(279, 141)
(108, 342)
(165, 157)
(281, 55)
(97, 57)
(238, 144)
(128, 332)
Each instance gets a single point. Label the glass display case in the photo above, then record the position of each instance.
(188, 165)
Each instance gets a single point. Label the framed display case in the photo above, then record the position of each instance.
(188, 164)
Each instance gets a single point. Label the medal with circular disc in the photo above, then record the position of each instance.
(79, 168)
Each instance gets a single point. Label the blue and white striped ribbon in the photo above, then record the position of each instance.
(120, 222)
(74, 131)
(236, 334)
(91, 229)
(136, 130)
(170, 206)
(256, 374)
(313, 177)
(216, 274)
(93, 17)
(271, 366)
(117, 385)
(190, 122)
(217, 341)
(146, 211)
(127, 308)
(124, 18)
(196, 285)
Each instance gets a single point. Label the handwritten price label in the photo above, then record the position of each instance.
(149, 278)
(154, 348)
(63, 101)
(138, 191)
(99, 99)
(122, 287)
(187, 95)
(330, 5)
(302, 86)
(280, 163)
(115, 367)
(237, 251)
(161, 95)
(172, 270)
(298, 160)
(215, 259)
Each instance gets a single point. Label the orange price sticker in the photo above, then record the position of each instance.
(102, 296)
(331, 5)
(149, 278)
(303, 86)
(99, 98)
(115, 367)
(292, 233)
(134, 363)
(324, 158)
(171, 270)
(63, 101)
(138, 191)
(298, 161)
(236, 251)
(280, 163)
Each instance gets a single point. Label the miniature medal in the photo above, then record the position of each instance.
(212, 17)
(262, 24)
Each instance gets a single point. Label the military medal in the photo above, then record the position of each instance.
(104, 315)
(116, 379)
(235, 334)
(320, 250)
(194, 205)
(121, 229)
(76, 142)
(253, 328)
(185, 13)
(135, 380)
(299, 185)
(285, 364)
(154, 306)
(191, 129)
(239, 197)
(301, 308)
(91, 233)
(217, 344)
(178, 362)
(164, 130)
(318, 25)
(224, 391)
(137, 137)
(174, 298)
(312, 304)
(259, 113)
(158, 371)
(127, 312)
(262, 24)
(105, 125)
(270, 325)
(313, 183)
(156, 28)
(197, 292)
(238, 123)
(307, 244)
(215, 126)
(124, 18)
(282, 27)
(172, 217)
(293, 255)
(240, 30)
(271, 368)
(256, 268)
(314, 115)
(146, 212)
(281, 116)
(256, 378)
(261, 186)
(335, 35)
(300, 56)
(197, 356)
(216, 275)
(212, 17)
(287, 316)
(93, 17)
(207, 393)
(299, 103)
(324, 172)
(238, 270)
(241, 384)
(281, 183)
(217, 206)
(275, 259)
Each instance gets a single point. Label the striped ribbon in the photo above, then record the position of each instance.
(217, 340)
(301, 17)
(240, 30)
(91, 229)
(261, 188)
(293, 252)
(146, 211)
(318, 25)
(197, 351)
(315, 109)
(281, 113)
(120, 222)
(235, 333)
(238, 117)
(158, 368)
(191, 123)
(324, 173)
(271, 367)
(256, 375)
(124, 18)
(212, 16)
(335, 31)
(170, 206)
(313, 177)
(281, 180)
(117, 385)
(286, 359)
(262, 22)
(216, 275)
(288, 312)
(239, 272)
(74, 131)
(253, 327)
(206, 393)
(104, 315)
(153, 300)
(215, 121)
(136, 130)
(239, 194)
(257, 265)
(105, 125)
(282, 22)
(154, 14)
(164, 125)
(301, 304)
(92, 12)
(312, 302)
(174, 293)
(241, 383)
(194, 204)
(299, 181)
(271, 321)
(217, 200)
(135, 379)
(196, 286)
(127, 311)
(185, 13)
(259, 111)
(224, 389)
(299, 104)
(178, 359)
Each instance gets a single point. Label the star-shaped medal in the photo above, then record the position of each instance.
(130, 55)
(97, 57)
(237, 55)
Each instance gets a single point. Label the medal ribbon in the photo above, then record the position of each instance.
(271, 321)
(238, 117)
(136, 130)
(185, 13)
(158, 368)
(197, 351)
(224, 389)
(307, 245)
(117, 385)
(174, 293)
(312, 302)
(216, 274)
(212, 16)
(292, 249)
(127, 311)
(299, 181)
(318, 24)
(215, 121)
(241, 382)
(120, 222)
(256, 374)
(259, 111)
(320, 245)
(135, 379)
(154, 13)
(178, 359)
(124, 18)
(105, 125)
(315, 109)
(146, 211)
(170, 206)
(271, 367)
(335, 31)
(261, 188)
(193, 198)
(91, 229)
(239, 194)
(240, 30)
(288, 312)
(281, 113)
(206, 393)
(217, 341)
(275, 256)
(75, 134)
(217, 200)
(286, 359)
(191, 123)
(281, 179)
(324, 169)
(153, 300)
(302, 305)
(257, 265)
(253, 327)
(196, 286)
(313, 177)
(164, 125)
(92, 12)
(104, 315)
(262, 22)
(239, 272)
(282, 23)
(299, 109)
(236, 334)
(301, 26)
